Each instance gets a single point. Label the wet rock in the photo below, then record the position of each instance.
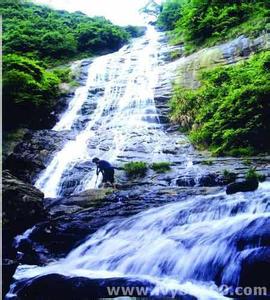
(22, 204)
(35, 151)
(22, 208)
(185, 181)
(8, 270)
(255, 271)
(210, 179)
(89, 198)
(63, 287)
(242, 186)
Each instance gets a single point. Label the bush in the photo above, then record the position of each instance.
(136, 169)
(29, 91)
(161, 167)
(253, 175)
(229, 113)
(171, 12)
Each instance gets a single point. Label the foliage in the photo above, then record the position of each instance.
(230, 111)
(136, 169)
(29, 91)
(64, 74)
(200, 23)
(171, 12)
(161, 167)
(43, 33)
(253, 175)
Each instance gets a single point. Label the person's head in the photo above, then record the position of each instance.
(95, 160)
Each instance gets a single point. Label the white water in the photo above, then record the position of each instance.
(125, 115)
(179, 245)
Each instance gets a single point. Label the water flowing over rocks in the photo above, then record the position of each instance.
(177, 229)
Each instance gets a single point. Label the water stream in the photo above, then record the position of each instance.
(183, 246)
(188, 245)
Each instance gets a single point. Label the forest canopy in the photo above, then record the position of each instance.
(200, 23)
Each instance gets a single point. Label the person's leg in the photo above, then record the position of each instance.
(111, 178)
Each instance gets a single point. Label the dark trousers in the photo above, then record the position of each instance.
(108, 175)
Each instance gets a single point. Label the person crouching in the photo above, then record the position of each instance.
(106, 169)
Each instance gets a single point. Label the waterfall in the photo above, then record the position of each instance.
(183, 244)
(121, 88)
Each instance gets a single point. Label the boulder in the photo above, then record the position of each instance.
(22, 204)
(210, 179)
(255, 271)
(185, 181)
(242, 186)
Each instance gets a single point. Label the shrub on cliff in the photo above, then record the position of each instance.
(230, 112)
(29, 91)
(136, 169)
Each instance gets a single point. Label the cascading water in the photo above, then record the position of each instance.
(121, 87)
(185, 245)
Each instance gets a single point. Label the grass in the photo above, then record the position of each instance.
(136, 169)
(161, 167)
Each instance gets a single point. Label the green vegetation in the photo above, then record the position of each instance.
(43, 33)
(253, 175)
(171, 12)
(136, 169)
(229, 176)
(229, 113)
(161, 167)
(29, 92)
(201, 23)
(36, 38)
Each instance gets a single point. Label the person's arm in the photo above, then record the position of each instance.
(98, 170)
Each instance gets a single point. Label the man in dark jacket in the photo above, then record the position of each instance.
(106, 169)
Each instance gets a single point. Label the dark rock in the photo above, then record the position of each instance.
(63, 287)
(209, 180)
(8, 269)
(22, 204)
(185, 181)
(35, 151)
(242, 186)
(22, 208)
(255, 271)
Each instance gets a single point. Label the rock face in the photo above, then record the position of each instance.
(22, 208)
(22, 204)
(184, 71)
(31, 156)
